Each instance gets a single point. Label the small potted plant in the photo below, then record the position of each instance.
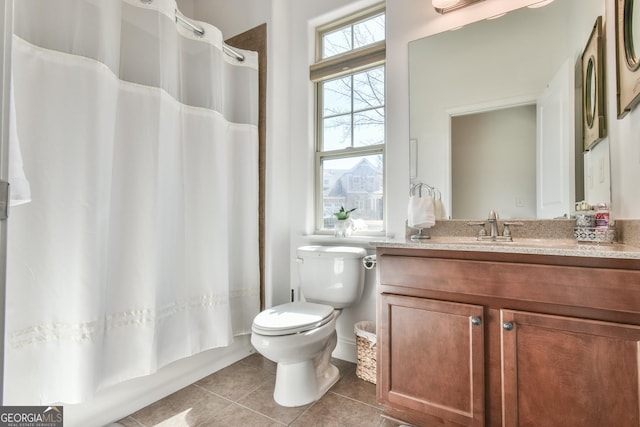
(344, 225)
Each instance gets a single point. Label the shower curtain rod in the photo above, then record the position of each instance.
(199, 31)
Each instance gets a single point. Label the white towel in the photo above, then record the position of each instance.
(441, 211)
(421, 212)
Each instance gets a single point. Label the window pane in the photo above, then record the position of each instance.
(336, 96)
(368, 89)
(336, 133)
(336, 42)
(351, 114)
(354, 182)
(369, 31)
(368, 128)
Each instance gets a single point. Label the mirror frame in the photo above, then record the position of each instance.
(627, 61)
(593, 116)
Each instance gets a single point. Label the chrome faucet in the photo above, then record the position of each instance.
(494, 232)
(493, 224)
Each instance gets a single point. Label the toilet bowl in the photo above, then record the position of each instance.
(300, 336)
(304, 370)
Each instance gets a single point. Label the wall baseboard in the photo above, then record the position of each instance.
(346, 350)
(119, 401)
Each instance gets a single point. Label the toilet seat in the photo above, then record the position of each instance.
(291, 318)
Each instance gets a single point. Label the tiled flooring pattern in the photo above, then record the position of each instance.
(242, 395)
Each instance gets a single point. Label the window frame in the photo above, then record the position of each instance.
(348, 63)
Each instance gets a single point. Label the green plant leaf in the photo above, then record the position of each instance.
(342, 214)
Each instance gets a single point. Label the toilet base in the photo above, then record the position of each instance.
(301, 383)
(297, 384)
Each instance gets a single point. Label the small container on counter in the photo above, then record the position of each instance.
(602, 216)
(585, 219)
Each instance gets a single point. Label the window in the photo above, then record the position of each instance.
(350, 121)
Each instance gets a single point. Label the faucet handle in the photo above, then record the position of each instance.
(482, 231)
(480, 223)
(506, 231)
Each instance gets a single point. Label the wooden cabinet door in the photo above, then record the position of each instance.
(560, 371)
(431, 359)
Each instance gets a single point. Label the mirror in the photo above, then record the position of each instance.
(632, 38)
(590, 92)
(513, 83)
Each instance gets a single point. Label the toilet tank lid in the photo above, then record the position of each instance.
(334, 251)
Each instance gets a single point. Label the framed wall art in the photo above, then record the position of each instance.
(627, 55)
(593, 118)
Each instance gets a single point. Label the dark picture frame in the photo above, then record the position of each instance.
(593, 112)
(627, 57)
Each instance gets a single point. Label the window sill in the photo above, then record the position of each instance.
(357, 240)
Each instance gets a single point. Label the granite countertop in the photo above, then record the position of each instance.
(558, 247)
(536, 237)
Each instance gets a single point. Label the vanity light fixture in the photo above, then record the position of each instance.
(444, 6)
(540, 4)
(500, 15)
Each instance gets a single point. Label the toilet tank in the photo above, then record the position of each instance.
(332, 275)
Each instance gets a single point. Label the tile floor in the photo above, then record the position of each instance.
(242, 395)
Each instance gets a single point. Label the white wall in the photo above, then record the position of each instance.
(484, 147)
(597, 164)
(624, 143)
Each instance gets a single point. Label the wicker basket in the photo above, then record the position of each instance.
(366, 346)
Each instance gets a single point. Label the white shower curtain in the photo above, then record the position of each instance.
(140, 244)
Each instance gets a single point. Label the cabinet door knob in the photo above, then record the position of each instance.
(475, 320)
(507, 326)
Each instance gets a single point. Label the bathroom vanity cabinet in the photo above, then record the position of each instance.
(514, 339)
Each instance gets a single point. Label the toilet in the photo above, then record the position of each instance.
(300, 336)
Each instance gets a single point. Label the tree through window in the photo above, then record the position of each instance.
(350, 125)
